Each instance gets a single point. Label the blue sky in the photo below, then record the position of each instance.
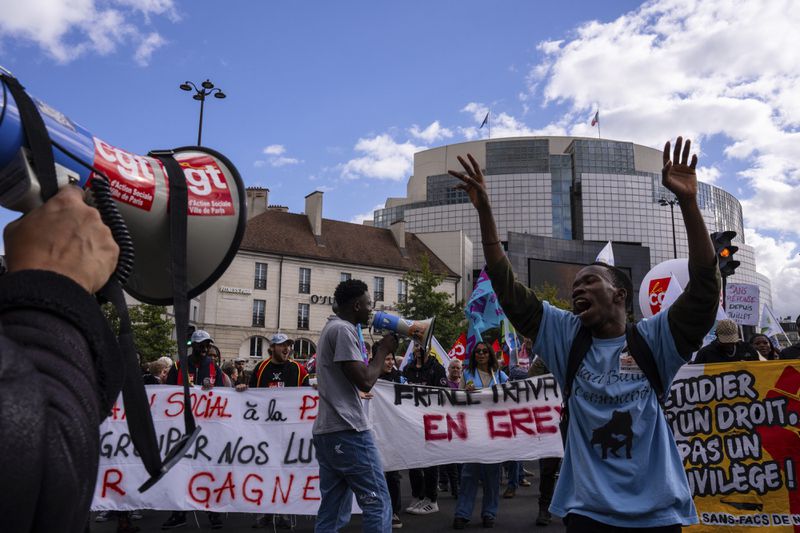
(337, 96)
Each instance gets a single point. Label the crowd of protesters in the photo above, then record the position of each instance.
(482, 368)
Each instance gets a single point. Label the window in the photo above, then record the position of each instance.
(402, 291)
(304, 348)
(378, 288)
(345, 276)
(305, 281)
(259, 307)
(261, 276)
(257, 347)
(302, 316)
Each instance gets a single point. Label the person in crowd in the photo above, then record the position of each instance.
(482, 371)
(792, 352)
(390, 373)
(59, 363)
(157, 371)
(229, 370)
(595, 491)
(277, 371)
(215, 354)
(202, 371)
(349, 461)
(763, 345)
(548, 466)
(424, 370)
(449, 474)
(242, 377)
(727, 347)
(454, 373)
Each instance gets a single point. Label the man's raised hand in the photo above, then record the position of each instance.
(678, 174)
(472, 182)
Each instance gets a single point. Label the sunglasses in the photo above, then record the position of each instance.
(482, 350)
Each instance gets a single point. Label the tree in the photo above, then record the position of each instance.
(425, 301)
(152, 332)
(549, 292)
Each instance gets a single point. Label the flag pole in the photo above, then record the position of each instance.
(598, 122)
(489, 122)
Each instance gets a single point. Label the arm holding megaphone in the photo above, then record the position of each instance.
(56, 383)
(66, 236)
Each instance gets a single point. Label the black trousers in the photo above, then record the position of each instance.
(424, 482)
(548, 471)
(393, 482)
(583, 524)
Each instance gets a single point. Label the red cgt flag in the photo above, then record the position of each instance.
(459, 349)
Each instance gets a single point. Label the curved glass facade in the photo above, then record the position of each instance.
(567, 188)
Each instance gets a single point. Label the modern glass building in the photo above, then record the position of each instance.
(567, 188)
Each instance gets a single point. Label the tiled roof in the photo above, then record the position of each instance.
(290, 234)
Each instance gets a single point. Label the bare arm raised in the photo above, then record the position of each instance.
(520, 304)
(693, 314)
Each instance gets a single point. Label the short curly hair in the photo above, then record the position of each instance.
(348, 291)
(620, 280)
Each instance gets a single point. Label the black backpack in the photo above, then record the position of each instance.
(637, 348)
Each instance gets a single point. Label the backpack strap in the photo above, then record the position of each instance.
(643, 355)
(577, 353)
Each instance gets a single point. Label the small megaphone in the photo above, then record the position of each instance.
(420, 331)
(139, 186)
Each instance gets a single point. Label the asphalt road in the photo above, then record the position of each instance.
(516, 514)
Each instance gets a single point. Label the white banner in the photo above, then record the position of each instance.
(255, 455)
(742, 303)
(417, 426)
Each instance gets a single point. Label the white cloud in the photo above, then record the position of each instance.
(274, 149)
(778, 259)
(359, 219)
(383, 159)
(723, 69)
(283, 161)
(432, 133)
(67, 29)
(325, 188)
(146, 48)
(277, 159)
(708, 174)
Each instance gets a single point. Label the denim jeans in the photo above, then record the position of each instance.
(514, 471)
(349, 464)
(490, 477)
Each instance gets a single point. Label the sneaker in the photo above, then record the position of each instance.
(544, 517)
(425, 507)
(524, 483)
(526, 472)
(414, 504)
(136, 515)
(509, 493)
(460, 523)
(215, 520)
(488, 522)
(174, 521)
(396, 523)
(103, 516)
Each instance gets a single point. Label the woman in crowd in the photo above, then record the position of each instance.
(764, 347)
(482, 371)
(390, 373)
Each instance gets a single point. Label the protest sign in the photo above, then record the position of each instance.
(736, 427)
(418, 426)
(742, 303)
(254, 453)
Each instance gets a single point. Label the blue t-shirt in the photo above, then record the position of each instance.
(498, 378)
(621, 465)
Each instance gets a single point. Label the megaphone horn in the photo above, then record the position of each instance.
(420, 331)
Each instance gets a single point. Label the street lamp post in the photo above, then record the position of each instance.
(206, 89)
(671, 204)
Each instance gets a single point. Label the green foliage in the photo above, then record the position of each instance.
(425, 301)
(550, 293)
(151, 330)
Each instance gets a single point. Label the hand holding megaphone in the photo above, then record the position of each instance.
(420, 331)
(387, 345)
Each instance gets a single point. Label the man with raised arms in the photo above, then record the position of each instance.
(621, 466)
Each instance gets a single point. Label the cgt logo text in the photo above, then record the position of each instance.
(656, 292)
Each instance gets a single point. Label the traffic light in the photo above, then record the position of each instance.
(725, 250)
